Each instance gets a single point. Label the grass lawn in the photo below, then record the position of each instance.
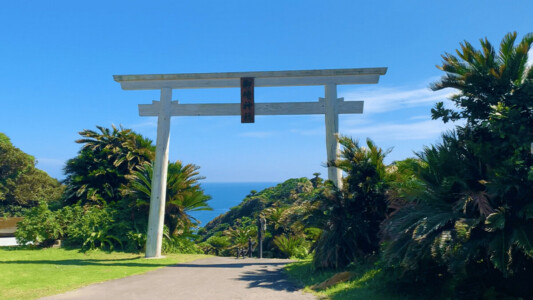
(367, 283)
(30, 274)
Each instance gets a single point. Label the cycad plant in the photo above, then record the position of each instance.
(241, 233)
(475, 212)
(452, 197)
(184, 194)
(107, 156)
(353, 214)
(292, 246)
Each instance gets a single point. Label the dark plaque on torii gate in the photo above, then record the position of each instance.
(247, 100)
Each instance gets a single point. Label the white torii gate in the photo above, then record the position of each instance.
(330, 106)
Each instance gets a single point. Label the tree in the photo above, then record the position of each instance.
(474, 216)
(447, 192)
(97, 174)
(353, 214)
(183, 195)
(317, 181)
(496, 100)
(22, 185)
(4, 139)
(241, 233)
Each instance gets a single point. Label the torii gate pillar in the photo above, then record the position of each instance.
(332, 133)
(156, 217)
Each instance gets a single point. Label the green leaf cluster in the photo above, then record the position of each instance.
(469, 215)
(107, 196)
(22, 185)
(352, 215)
(107, 156)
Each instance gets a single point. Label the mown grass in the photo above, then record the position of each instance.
(368, 283)
(34, 273)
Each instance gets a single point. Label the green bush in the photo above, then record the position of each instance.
(135, 241)
(216, 244)
(40, 226)
(85, 228)
(13, 211)
(179, 244)
(473, 219)
(292, 246)
(91, 229)
(353, 214)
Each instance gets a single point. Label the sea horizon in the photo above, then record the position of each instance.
(225, 195)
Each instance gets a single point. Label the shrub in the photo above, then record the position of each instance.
(352, 215)
(179, 244)
(91, 229)
(217, 244)
(86, 228)
(40, 227)
(474, 217)
(135, 241)
(292, 246)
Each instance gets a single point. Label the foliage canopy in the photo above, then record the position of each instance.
(22, 185)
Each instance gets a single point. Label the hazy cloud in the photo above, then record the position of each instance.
(378, 100)
(400, 131)
(421, 117)
(314, 131)
(257, 134)
(150, 123)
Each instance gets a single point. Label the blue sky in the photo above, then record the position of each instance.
(58, 58)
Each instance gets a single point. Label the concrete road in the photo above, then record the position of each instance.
(211, 278)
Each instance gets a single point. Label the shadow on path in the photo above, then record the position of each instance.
(270, 279)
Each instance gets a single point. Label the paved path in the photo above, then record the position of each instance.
(210, 278)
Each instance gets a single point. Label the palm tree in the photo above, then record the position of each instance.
(475, 213)
(114, 143)
(240, 234)
(184, 194)
(353, 214)
(448, 193)
(317, 181)
(496, 96)
(274, 216)
(106, 157)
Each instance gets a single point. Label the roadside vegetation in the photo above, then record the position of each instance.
(459, 222)
(453, 222)
(104, 200)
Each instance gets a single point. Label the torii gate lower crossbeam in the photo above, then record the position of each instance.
(164, 109)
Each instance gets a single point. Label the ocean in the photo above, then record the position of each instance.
(225, 195)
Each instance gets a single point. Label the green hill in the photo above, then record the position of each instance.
(286, 207)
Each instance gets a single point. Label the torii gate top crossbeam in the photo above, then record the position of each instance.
(262, 79)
